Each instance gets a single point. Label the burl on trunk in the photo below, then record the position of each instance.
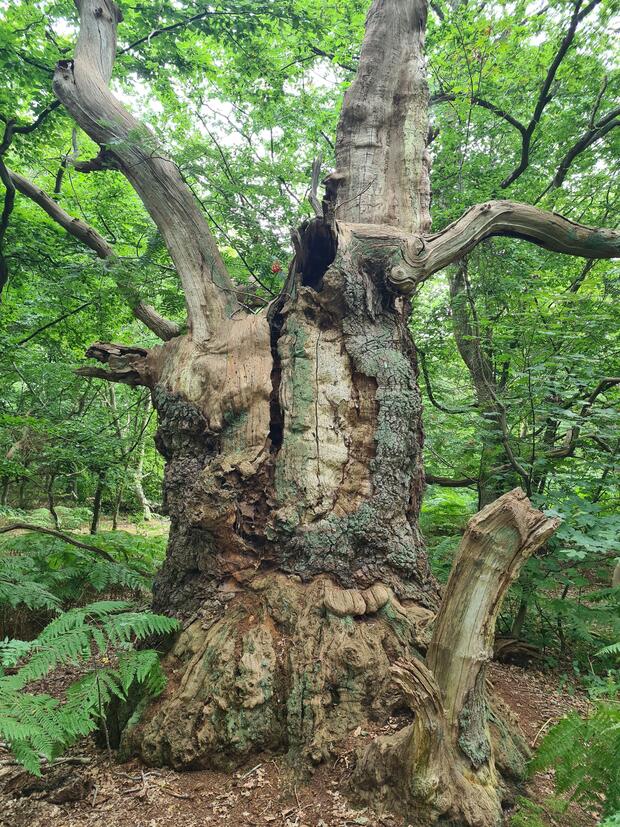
(293, 441)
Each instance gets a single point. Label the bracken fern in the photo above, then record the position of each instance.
(585, 754)
(36, 725)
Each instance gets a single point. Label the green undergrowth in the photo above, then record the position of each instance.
(563, 604)
(87, 644)
(69, 519)
(100, 637)
(38, 572)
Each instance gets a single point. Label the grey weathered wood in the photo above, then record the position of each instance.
(82, 86)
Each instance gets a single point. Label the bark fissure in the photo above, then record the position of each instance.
(293, 446)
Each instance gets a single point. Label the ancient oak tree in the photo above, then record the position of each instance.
(293, 446)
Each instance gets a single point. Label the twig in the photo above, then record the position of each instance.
(540, 731)
(249, 772)
(169, 791)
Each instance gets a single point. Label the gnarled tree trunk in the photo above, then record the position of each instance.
(443, 768)
(293, 437)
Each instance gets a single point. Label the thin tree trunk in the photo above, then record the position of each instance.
(117, 501)
(519, 618)
(140, 495)
(21, 494)
(94, 525)
(138, 472)
(497, 472)
(50, 501)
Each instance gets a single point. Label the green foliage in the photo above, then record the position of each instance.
(444, 515)
(612, 649)
(41, 572)
(249, 97)
(530, 814)
(570, 606)
(35, 724)
(585, 754)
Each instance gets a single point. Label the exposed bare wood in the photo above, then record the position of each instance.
(496, 543)
(82, 86)
(415, 258)
(164, 328)
(443, 764)
(75, 226)
(128, 365)
(382, 166)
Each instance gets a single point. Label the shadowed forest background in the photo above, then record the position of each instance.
(518, 352)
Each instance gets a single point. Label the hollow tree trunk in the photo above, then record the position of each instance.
(294, 474)
(293, 482)
(293, 437)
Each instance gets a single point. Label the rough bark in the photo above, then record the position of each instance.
(293, 482)
(293, 439)
(442, 768)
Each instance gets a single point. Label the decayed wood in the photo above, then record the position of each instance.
(162, 327)
(293, 444)
(497, 542)
(129, 365)
(382, 166)
(82, 86)
(443, 764)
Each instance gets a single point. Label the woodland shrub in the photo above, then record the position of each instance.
(41, 581)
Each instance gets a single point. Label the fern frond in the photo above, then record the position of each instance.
(613, 649)
(35, 724)
(585, 754)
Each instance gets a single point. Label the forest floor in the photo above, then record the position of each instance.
(89, 789)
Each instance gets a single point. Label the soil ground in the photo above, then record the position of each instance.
(87, 788)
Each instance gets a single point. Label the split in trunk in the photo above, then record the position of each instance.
(293, 448)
